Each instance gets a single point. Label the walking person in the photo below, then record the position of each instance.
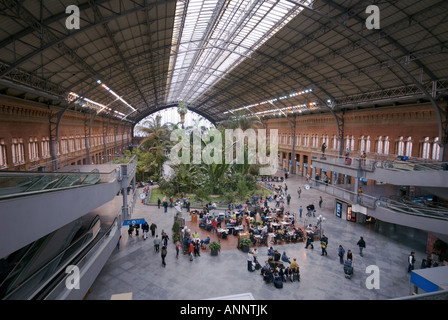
(177, 249)
(145, 228)
(300, 211)
(130, 230)
(153, 228)
(288, 199)
(324, 244)
(320, 202)
(411, 261)
(163, 254)
(361, 244)
(309, 242)
(341, 252)
(156, 243)
(299, 191)
(159, 202)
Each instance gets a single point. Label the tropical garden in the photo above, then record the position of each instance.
(222, 182)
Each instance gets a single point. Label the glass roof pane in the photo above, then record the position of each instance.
(216, 36)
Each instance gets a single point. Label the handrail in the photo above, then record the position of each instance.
(48, 264)
(384, 161)
(80, 260)
(412, 210)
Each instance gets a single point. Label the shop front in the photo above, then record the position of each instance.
(350, 212)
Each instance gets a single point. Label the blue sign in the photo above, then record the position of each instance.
(133, 222)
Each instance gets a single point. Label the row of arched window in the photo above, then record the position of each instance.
(403, 146)
(40, 149)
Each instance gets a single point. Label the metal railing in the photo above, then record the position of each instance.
(384, 161)
(20, 183)
(42, 276)
(60, 289)
(346, 161)
(413, 208)
(345, 194)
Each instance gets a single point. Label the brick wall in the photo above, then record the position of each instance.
(22, 120)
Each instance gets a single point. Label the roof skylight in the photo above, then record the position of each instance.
(212, 37)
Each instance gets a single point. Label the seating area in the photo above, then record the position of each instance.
(264, 227)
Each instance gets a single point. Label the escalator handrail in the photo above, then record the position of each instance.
(78, 258)
(52, 260)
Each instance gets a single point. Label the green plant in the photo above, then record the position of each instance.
(176, 229)
(245, 242)
(214, 245)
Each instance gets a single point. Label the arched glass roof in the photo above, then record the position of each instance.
(267, 58)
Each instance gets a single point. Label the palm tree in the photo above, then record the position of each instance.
(182, 109)
(157, 140)
(156, 133)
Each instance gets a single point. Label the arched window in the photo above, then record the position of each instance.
(435, 149)
(379, 146)
(400, 147)
(409, 147)
(386, 145)
(362, 144)
(426, 148)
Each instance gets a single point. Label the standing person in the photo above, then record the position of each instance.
(362, 244)
(300, 211)
(165, 205)
(156, 243)
(299, 191)
(341, 252)
(191, 250)
(214, 225)
(411, 261)
(159, 202)
(196, 248)
(163, 254)
(320, 202)
(324, 146)
(349, 256)
(288, 199)
(130, 230)
(177, 249)
(250, 261)
(324, 244)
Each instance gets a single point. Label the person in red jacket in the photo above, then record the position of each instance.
(190, 251)
(214, 225)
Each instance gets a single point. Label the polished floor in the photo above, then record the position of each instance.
(135, 268)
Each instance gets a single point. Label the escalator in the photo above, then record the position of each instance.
(36, 265)
(14, 184)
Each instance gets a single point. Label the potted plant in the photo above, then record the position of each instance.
(245, 244)
(215, 247)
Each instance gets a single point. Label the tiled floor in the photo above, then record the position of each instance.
(136, 268)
